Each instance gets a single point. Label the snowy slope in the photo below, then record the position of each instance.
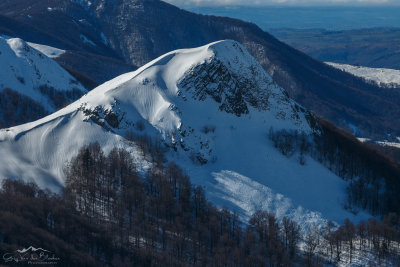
(25, 70)
(49, 51)
(213, 106)
(382, 77)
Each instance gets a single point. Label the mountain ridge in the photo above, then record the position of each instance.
(219, 149)
(136, 32)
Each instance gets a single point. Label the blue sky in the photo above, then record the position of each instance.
(284, 2)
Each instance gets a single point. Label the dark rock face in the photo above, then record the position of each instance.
(108, 119)
(234, 93)
(138, 31)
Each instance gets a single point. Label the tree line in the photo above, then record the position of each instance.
(110, 214)
(373, 179)
(17, 109)
(162, 219)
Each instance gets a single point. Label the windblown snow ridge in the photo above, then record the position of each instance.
(213, 106)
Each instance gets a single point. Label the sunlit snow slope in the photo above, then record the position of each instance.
(49, 51)
(213, 106)
(31, 73)
(383, 77)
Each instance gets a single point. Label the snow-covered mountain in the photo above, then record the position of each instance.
(32, 84)
(213, 106)
(49, 51)
(388, 78)
(105, 38)
(31, 73)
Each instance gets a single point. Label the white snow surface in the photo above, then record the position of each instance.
(24, 69)
(49, 51)
(382, 77)
(387, 143)
(243, 171)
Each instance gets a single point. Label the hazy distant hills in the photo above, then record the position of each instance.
(332, 18)
(376, 48)
(107, 37)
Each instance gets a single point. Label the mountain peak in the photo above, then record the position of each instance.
(221, 74)
(232, 78)
(182, 92)
(213, 106)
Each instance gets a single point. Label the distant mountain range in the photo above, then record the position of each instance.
(331, 18)
(104, 38)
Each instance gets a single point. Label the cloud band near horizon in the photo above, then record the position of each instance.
(282, 2)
